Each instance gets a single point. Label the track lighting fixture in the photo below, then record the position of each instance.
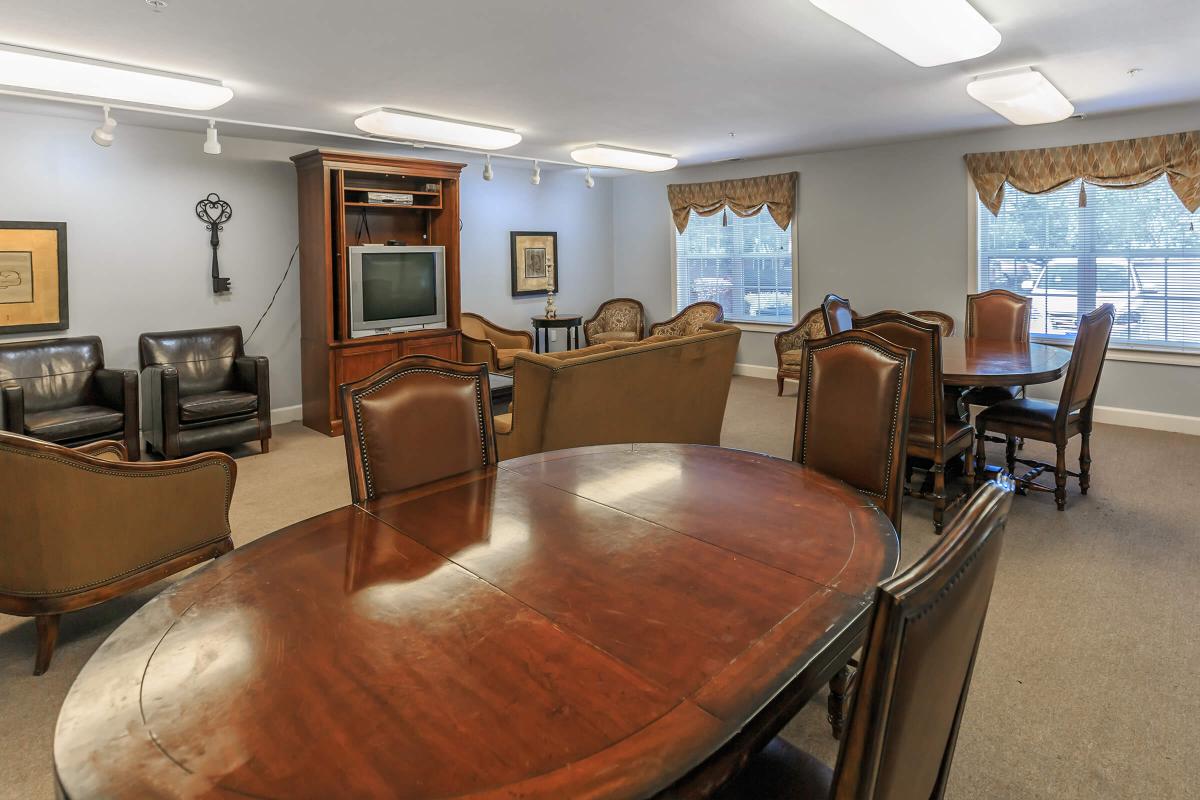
(103, 135)
(588, 180)
(212, 145)
(487, 168)
(536, 177)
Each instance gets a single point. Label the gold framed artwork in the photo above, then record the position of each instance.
(33, 277)
(534, 262)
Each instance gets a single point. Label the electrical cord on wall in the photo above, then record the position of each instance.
(291, 261)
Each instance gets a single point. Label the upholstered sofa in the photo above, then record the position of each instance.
(662, 389)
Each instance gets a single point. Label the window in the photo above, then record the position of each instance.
(1135, 248)
(745, 265)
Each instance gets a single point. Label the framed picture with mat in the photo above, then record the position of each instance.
(535, 268)
(33, 277)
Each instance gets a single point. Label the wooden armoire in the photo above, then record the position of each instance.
(335, 214)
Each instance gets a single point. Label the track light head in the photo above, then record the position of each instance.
(487, 168)
(588, 180)
(536, 177)
(103, 135)
(212, 145)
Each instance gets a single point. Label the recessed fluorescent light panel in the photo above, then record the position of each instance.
(1022, 96)
(926, 32)
(61, 74)
(435, 130)
(602, 155)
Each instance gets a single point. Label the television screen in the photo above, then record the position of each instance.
(397, 285)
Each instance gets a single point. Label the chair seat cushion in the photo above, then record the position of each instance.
(990, 395)
(214, 405)
(1024, 411)
(920, 432)
(780, 772)
(792, 358)
(76, 422)
(505, 356)
(613, 336)
(502, 423)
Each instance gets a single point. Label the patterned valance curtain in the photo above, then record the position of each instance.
(1124, 164)
(744, 197)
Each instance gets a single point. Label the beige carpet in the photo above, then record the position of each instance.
(1087, 683)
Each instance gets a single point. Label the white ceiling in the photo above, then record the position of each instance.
(669, 76)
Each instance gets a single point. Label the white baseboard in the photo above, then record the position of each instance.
(286, 414)
(1108, 415)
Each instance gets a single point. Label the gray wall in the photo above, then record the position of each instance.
(887, 227)
(138, 259)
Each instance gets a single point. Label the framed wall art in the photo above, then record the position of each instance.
(534, 262)
(33, 277)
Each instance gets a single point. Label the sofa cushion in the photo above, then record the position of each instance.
(76, 422)
(505, 356)
(213, 405)
(613, 336)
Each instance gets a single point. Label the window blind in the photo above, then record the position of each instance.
(743, 263)
(1135, 248)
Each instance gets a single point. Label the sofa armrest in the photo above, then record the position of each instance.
(480, 351)
(115, 387)
(253, 374)
(106, 449)
(160, 404)
(509, 339)
(12, 408)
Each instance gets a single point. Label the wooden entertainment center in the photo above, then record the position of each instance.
(335, 214)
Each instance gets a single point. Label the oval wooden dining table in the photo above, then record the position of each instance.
(608, 622)
(988, 362)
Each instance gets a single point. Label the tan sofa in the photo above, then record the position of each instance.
(662, 389)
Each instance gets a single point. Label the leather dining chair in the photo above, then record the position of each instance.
(1054, 423)
(485, 342)
(690, 320)
(926, 626)
(1002, 315)
(931, 435)
(417, 420)
(58, 390)
(837, 313)
(81, 526)
(200, 391)
(621, 319)
(788, 344)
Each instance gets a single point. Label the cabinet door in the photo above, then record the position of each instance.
(443, 346)
(352, 363)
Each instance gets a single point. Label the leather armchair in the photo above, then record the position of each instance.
(61, 556)
(621, 319)
(58, 390)
(485, 342)
(200, 391)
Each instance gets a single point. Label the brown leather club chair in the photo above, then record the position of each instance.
(926, 625)
(621, 319)
(1002, 315)
(200, 391)
(58, 390)
(837, 313)
(418, 420)
(942, 320)
(848, 425)
(690, 320)
(788, 344)
(930, 435)
(484, 342)
(81, 526)
(1055, 423)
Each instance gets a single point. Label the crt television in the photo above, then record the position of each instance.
(396, 288)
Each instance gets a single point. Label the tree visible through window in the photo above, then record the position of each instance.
(1135, 248)
(745, 265)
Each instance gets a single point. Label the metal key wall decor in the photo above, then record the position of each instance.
(214, 213)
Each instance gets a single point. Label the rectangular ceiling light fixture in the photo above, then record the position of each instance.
(1022, 96)
(603, 155)
(414, 127)
(926, 32)
(41, 71)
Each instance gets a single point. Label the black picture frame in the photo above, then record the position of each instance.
(518, 266)
(63, 322)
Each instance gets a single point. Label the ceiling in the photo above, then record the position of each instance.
(671, 77)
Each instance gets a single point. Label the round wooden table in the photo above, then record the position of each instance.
(601, 622)
(543, 324)
(985, 362)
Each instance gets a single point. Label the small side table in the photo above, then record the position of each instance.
(542, 325)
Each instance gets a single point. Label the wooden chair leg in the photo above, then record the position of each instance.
(1085, 463)
(779, 380)
(980, 457)
(265, 444)
(1060, 478)
(1010, 454)
(939, 495)
(839, 687)
(47, 635)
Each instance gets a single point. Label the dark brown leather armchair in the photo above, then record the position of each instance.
(926, 625)
(64, 548)
(417, 420)
(200, 391)
(59, 390)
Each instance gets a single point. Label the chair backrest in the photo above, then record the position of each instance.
(916, 666)
(690, 320)
(474, 325)
(837, 314)
(998, 314)
(943, 321)
(850, 419)
(1087, 360)
(418, 420)
(54, 373)
(925, 340)
(204, 357)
